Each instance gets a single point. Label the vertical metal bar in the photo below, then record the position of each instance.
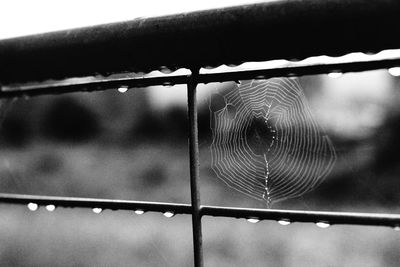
(194, 169)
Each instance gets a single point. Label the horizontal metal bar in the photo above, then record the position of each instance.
(91, 86)
(285, 29)
(73, 202)
(104, 84)
(301, 70)
(372, 219)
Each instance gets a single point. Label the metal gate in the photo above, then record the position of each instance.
(290, 29)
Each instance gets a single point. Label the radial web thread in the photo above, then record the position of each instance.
(266, 142)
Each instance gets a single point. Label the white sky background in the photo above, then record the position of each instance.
(24, 17)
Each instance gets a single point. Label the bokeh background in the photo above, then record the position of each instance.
(134, 146)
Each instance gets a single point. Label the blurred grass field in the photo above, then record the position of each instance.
(78, 237)
(82, 238)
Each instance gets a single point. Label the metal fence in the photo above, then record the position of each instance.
(289, 30)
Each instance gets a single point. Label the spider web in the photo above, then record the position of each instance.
(266, 143)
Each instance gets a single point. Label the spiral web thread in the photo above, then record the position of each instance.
(266, 143)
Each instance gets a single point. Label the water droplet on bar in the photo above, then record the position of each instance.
(33, 206)
(335, 74)
(167, 84)
(139, 212)
(97, 210)
(50, 207)
(396, 228)
(165, 70)
(322, 224)
(395, 71)
(284, 222)
(123, 89)
(253, 220)
(169, 214)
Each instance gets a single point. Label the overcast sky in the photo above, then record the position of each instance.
(24, 17)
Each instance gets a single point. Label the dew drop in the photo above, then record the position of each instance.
(167, 84)
(165, 70)
(396, 228)
(33, 206)
(322, 224)
(253, 220)
(50, 207)
(139, 212)
(335, 74)
(395, 71)
(169, 214)
(97, 210)
(123, 89)
(284, 222)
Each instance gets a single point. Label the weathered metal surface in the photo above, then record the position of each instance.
(290, 29)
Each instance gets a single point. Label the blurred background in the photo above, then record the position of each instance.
(133, 145)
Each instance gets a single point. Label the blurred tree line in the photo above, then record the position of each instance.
(107, 117)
